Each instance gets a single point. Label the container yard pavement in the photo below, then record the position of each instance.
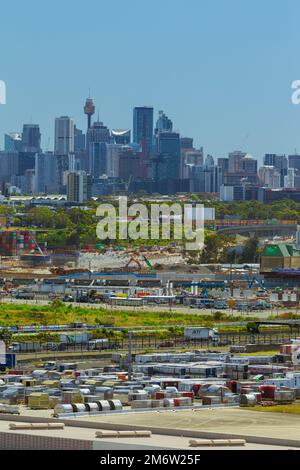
(224, 421)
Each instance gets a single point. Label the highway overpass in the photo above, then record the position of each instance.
(267, 230)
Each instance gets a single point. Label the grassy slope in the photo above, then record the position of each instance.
(19, 314)
(291, 409)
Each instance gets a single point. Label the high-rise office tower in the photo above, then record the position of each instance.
(163, 123)
(279, 162)
(129, 163)
(31, 138)
(224, 164)
(187, 143)
(9, 167)
(269, 177)
(209, 161)
(89, 110)
(96, 139)
(289, 179)
(79, 140)
(143, 129)
(64, 135)
(168, 155)
(112, 159)
(121, 136)
(249, 165)
(12, 142)
(294, 162)
(234, 161)
(46, 173)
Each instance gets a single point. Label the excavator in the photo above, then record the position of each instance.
(138, 264)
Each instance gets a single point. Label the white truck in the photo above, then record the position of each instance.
(202, 333)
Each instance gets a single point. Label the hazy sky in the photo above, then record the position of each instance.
(220, 69)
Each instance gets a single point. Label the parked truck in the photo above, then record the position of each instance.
(202, 333)
(76, 338)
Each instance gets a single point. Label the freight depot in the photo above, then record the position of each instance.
(188, 380)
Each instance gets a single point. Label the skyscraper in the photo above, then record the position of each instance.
(96, 139)
(79, 140)
(64, 135)
(46, 173)
(279, 162)
(121, 136)
(31, 138)
(143, 129)
(168, 155)
(234, 161)
(12, 142)
(294, 162)
(163, 123)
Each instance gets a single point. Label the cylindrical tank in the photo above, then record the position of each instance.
(92, 407)
(62, 409)
(79, 407)
(248, 400)
(115, 405)
(103, 405)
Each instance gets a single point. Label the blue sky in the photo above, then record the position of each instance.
(220, 69)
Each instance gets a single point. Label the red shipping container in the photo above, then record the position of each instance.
(188, 394)
(176, 402)
(267, 391)
(160, 395)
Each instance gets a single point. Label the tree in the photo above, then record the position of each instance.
(40, 217)
(250, 252)
(6, 336)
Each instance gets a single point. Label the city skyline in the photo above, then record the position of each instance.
(222, 73)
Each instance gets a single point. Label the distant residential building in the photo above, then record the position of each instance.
(78, 186)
